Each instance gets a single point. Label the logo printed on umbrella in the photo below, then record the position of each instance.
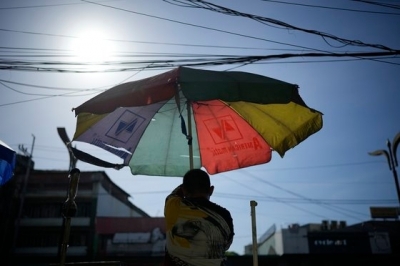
(125, 126)
(223, 129)
(237, 147)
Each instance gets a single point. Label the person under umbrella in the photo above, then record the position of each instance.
(198, 231)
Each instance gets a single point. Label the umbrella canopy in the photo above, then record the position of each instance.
(229, 120)
(8, 158)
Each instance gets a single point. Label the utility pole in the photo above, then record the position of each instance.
(23, 192)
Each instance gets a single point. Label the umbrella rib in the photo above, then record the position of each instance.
(176, 110)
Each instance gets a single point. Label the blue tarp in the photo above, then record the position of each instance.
(8, 159)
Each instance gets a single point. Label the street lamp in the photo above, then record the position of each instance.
(391, 157)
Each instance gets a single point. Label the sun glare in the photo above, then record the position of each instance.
(92, 47)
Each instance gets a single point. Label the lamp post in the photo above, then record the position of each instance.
(391, 157)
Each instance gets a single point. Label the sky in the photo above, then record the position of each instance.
(329, 176)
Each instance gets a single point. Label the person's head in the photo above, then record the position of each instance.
(196, 183)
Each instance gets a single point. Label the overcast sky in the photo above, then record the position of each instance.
(46, 70)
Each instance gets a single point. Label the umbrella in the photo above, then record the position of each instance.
(8, 158)
(191, 118)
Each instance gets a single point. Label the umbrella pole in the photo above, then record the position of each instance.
(253, 205)
(190, 134)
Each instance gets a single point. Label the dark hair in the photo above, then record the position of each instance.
(196, 181)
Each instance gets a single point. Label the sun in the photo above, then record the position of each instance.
(92, 47)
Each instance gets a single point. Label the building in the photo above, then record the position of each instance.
(126, 237)
(331, 237)
(104, 222)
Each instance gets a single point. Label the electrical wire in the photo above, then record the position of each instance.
(379, 4)
(227, 11)
(202, 27)
(336, 8)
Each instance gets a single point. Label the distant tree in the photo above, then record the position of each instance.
(231, 253)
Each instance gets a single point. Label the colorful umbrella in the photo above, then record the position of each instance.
(8, 158)
(229, 120)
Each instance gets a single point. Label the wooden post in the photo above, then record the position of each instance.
(253, 205)
(68, 210)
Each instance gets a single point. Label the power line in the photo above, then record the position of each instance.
(327, 203)
(48, 5)
(48, 87)
(129, 41)
(283, 201)
(227, 11)
(42, 66)
(62, 150)
(328, 206)
(305, 201)
(203, 27)
(276, 199)
(379, 4)
(335, 8)
(39, 98)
